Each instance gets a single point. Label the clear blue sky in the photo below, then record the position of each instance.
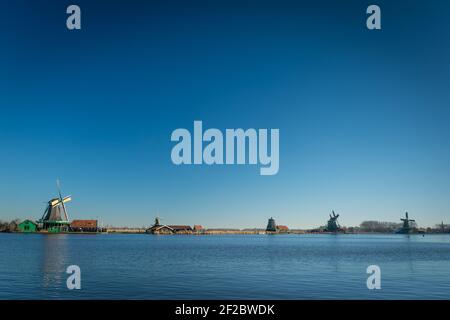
(363, 115)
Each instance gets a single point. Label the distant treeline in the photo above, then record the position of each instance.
(382, 226)
(365, 226)
(9, 226)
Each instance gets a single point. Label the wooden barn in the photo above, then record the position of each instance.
(181, 229)
(158, 228)
(162, 229)
(282, 229)
(84, 226)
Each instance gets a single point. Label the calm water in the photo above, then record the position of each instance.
(32, 266)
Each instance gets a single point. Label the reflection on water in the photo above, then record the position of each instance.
(224, 267)
(54, 260)
(409, 252)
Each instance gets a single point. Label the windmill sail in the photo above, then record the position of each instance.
(66, 217)
(56, 210)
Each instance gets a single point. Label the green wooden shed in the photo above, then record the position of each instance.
(27, 226)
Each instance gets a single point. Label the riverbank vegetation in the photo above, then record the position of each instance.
(9, 226)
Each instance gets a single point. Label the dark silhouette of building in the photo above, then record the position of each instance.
(271, 225)
(332, 224)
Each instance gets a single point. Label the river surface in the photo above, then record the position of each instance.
(114, 266)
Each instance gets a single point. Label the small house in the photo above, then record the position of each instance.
(282, 229)
(161, 229)
(198, 228)
(27, 226)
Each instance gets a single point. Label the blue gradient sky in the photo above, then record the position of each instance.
(363, 115)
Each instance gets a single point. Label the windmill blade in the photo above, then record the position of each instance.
(59, 189)
(58, 201)
(65, 211)
(62, 200)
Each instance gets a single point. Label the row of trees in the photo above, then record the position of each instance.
(440, 228)
(381, 226)
(9, 226)
(388, 227)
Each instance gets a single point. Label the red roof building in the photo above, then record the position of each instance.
(84, 225)
(198, 227)
(282, 229)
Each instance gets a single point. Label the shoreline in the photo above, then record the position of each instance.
(212, 233)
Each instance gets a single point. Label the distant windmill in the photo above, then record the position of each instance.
(271, 225)
(157, 221)
(55, 215)
(333, 225)
(406, 226)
